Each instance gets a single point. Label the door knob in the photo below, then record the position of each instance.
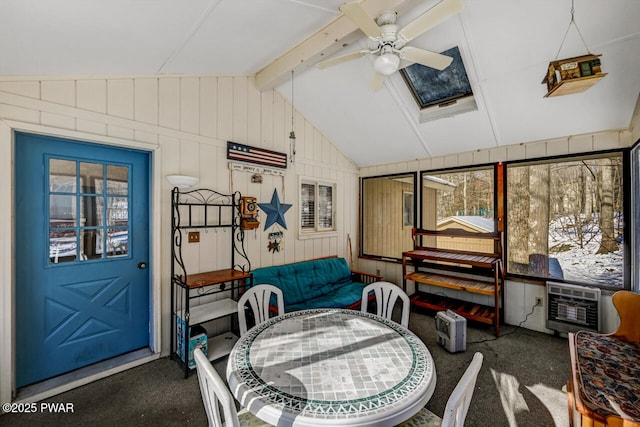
(142, 265)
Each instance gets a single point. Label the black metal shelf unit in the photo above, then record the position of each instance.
(216, 291)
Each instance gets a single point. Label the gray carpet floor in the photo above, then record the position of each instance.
(521, 383)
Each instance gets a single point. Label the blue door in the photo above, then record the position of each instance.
(82, 250)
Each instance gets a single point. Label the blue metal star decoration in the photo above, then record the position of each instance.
(275, 211)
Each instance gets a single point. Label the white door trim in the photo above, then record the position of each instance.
(7, 276)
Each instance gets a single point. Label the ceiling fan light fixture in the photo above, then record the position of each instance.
(386, 64)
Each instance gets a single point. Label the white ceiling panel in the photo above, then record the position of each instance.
(95, 37)
(241, 37)
(373, 135)
(461, 133)
(506, 46)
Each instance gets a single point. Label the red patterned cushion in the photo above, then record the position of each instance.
(609, 375)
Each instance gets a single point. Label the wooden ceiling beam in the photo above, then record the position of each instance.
(336, 35)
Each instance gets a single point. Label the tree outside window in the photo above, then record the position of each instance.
(565, 220)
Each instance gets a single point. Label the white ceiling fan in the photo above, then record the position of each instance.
(388, 42)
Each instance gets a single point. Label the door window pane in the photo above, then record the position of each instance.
(89, 172)
(62, 208)
(117, 180)
(117, 242)
(62, 245)
(77, 233)
(62, 176)
(92, 211)
(91, 243)
(117, 211)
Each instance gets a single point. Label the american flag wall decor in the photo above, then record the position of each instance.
(246, 153)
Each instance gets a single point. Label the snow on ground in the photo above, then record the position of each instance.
(584, 264)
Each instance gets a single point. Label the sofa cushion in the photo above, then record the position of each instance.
(609, 375)
(307, 280)
(345, 296)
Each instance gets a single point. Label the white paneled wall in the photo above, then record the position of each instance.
(186, 123)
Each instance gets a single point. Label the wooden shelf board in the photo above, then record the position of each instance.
(472, 311)
(199, 280)
(471, 285)
(453, 257)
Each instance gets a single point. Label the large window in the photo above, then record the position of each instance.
(317, 206)
(565, 219)
(461, 199)
(388, 208)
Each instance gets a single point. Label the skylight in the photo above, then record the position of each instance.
(440, 93)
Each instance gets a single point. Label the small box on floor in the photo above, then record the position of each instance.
(197, 339)
(452, 331)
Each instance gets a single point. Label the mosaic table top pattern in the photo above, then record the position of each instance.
(330, 364)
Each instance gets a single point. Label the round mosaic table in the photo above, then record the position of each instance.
(331, 367)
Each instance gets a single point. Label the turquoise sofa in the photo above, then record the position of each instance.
(319, 283)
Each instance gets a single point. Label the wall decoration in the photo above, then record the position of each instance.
(275, 239)
(246, 153)
(241, 167)
(248, 213)
(275, 211)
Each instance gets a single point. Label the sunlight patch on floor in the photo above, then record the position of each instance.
(554, 400)
(514, 402)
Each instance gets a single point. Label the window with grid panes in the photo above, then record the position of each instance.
(317, 206)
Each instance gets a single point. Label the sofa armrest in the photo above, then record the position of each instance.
(366, 278)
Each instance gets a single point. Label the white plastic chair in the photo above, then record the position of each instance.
(458, 404)
(216, 396)
(258, 297)
(386, 296)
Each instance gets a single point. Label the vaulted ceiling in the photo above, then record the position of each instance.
(506, 46)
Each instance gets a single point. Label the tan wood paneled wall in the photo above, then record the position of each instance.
(384, 231)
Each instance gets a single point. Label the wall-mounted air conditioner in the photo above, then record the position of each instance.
(571, 308)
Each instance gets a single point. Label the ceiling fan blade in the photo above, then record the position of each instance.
(426, 58)
(376, 82)
(432, 17)
(359, 16)
(341, 58)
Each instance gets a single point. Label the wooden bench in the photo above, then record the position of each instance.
(604, 387)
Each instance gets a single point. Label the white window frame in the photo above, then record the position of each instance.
(317, 231)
